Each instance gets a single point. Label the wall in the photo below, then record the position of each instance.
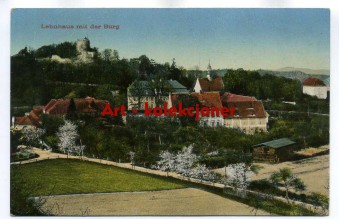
(320, 91)
(247, 125)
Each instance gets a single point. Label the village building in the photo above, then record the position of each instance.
(154, 93)
(209, 100)
(274, 151)
(60, 107)
(208, 84)
(82, 106)
(315, 87)
(249, 115)
(30, 119)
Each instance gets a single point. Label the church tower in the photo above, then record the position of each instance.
(209, 70)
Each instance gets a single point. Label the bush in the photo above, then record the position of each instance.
(214, 162)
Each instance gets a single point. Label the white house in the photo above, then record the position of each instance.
(249, 115)
(315, 87)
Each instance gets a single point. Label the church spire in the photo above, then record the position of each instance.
(209, 69)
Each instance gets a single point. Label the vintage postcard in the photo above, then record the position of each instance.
(169, 112)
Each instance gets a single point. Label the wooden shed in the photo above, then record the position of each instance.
(274, 151)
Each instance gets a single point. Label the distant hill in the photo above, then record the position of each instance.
(299, 75)
(292, 74)
(306, 70)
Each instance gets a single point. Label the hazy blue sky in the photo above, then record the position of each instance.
(230, 38)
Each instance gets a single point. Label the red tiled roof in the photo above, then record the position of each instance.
(313, 82)
(34, 117)
(214, 85)
(49, 104)
(205, 99)
(38, 110)
(83, 105)
(61, 107)
(246, 107)
(209, 99)
(25, 120)
(57, 107)
(229, 97)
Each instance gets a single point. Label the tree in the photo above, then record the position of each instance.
(319, 200)
(15, 141)
(32, 135)
(145, 67)
(288, 180)
(72, 115)
(185, 160)
(107, 55)
(136, 94)
(115, 57)
(159, 88)
(131, 156)
(202, 172)
(239, 177)
(167, 162)
(67, 138)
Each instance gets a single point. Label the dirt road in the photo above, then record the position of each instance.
(313, 171)
(168, 202)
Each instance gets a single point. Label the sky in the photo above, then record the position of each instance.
(229, 38)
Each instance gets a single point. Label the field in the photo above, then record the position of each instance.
(167, 202)
(61, 176)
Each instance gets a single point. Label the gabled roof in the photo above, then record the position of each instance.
(82, 105)
(145, 88)
(57, 107)
(245, 106)
(177, 87)
(215, 84)
(32, 118)
(279, 143)
(209, 99)
(229, 97)
(25, 120)
(313, 82)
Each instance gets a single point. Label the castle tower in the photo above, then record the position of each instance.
(83, 50)
(82, 45)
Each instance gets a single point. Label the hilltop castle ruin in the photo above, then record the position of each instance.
(84, 55)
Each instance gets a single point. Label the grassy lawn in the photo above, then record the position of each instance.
(66, 176)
